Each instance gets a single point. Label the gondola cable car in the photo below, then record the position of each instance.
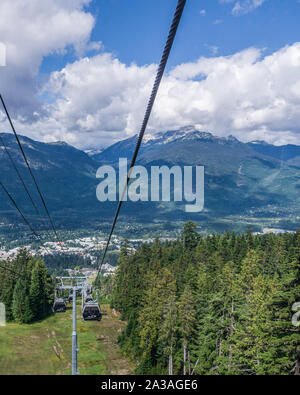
(59, 305)
(91, 311)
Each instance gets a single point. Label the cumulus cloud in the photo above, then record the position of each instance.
(99, 100)
(247, 94)
(31, 30)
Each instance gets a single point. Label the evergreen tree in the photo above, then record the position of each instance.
(153, 312)
(29, 295)
(251, 345)
(189, 235)
(285, 345)
(39, 291)
(224, 302)
(21, 305)
(187, 323)
(8, 281)
(168, 328)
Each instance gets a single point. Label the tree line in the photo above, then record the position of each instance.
(220, 304)
(58, 263)
(26, 288)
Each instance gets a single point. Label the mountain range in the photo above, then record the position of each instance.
(245, 183)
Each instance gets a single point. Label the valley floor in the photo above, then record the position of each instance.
(45, 347)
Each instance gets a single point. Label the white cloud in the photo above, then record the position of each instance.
(100, 97)
(31, 30)
(99, 100)
(244, 94)
(214, 49)
(243, 7)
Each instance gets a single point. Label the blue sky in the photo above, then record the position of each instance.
(82, 70)
(135, 30)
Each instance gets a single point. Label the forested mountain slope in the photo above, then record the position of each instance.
(240, 182)
(215, 305)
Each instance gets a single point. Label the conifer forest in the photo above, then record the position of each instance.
(211, 305)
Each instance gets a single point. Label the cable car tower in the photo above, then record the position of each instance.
(73, 284)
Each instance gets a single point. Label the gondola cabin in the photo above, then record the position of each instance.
(91, 311)
(59, 306)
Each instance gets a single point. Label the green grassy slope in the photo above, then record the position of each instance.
(45, 347)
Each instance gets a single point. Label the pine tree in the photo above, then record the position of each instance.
(39, 291)
(251, 345)
(168, 328)
(285, 345)
(21, 305)
(187, 323)
(225, 299)
(28, 296)
(227, 294)
(151, 315)
(189, 236)
(8, 281)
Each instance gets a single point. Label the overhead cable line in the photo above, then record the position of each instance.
(28, 166)
(19, 175)
(160, 72)
(21, 179)
(22, 215)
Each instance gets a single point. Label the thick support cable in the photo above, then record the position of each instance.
(28, 166)
(160, 73)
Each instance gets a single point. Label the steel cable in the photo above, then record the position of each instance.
(159, 75)
(28, 166)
